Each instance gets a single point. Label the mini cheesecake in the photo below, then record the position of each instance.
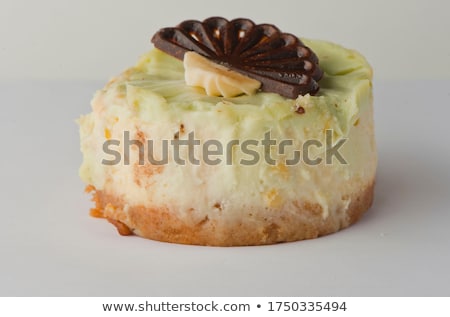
(197, 148)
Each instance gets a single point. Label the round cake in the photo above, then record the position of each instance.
(232, 133)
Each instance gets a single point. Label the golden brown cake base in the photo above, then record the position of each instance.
(255, 227)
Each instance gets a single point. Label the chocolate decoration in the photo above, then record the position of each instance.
(280, 61)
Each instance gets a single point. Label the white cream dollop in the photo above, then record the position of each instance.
(217, 80)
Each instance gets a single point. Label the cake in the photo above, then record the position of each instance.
(231, 133)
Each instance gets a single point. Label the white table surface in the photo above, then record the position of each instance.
(50, 246)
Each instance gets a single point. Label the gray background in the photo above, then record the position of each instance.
(53, 57)
(84, 39)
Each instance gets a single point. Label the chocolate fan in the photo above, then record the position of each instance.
(280, 61)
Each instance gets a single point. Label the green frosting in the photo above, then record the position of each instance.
(156, 85)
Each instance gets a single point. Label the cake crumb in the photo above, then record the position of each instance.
(300, 110)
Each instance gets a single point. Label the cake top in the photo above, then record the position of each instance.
(279, 61)
(156, 88)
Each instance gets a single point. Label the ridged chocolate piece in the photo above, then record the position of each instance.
(280, 61)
